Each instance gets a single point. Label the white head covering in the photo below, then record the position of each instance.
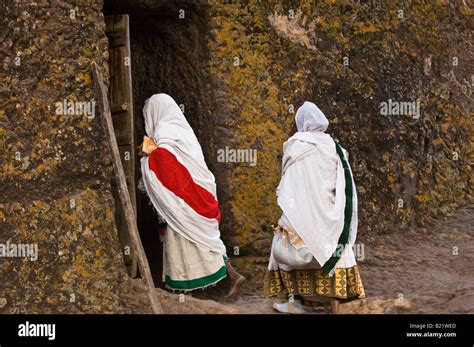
(310, 118)
(165, 121)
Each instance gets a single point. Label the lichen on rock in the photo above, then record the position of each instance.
(241, 69)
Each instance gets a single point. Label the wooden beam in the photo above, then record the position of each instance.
(106, 119)
(120, 98)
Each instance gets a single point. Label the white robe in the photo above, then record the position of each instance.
(167, 126)
(311, 192)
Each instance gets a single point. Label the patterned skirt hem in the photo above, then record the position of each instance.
(345, 284)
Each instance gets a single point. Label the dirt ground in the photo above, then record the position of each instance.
(427, 271)
(424, 271)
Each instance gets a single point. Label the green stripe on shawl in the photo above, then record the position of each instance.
(344, 238)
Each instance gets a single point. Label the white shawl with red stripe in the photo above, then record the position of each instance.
(176, 177)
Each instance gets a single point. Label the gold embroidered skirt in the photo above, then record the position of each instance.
(345, 284)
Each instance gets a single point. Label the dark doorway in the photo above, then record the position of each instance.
(168, 45)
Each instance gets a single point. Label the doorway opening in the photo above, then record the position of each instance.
(168, 54)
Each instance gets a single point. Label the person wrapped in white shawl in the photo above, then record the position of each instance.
(317, 196)
(183, 191)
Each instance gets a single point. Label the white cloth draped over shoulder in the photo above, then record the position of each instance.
(311, 192)
(168, 127)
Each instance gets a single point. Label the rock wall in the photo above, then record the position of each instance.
(348, 57)
(241, 70)
(55, 169)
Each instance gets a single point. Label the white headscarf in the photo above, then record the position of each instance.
(310, 118)
(164, 120)
(167, 126)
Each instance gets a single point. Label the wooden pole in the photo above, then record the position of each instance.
(107, 124)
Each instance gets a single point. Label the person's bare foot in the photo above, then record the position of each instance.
(236, 280)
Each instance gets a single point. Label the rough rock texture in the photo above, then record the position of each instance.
(241, 71)
(285, 61)
(261, 64)
(55, 169)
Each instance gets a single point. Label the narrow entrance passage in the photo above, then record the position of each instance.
(168, 55)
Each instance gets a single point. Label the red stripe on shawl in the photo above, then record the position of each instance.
(175, 177)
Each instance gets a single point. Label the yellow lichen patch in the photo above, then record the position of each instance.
(390, 179)
(262, 115)
(366, 28)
